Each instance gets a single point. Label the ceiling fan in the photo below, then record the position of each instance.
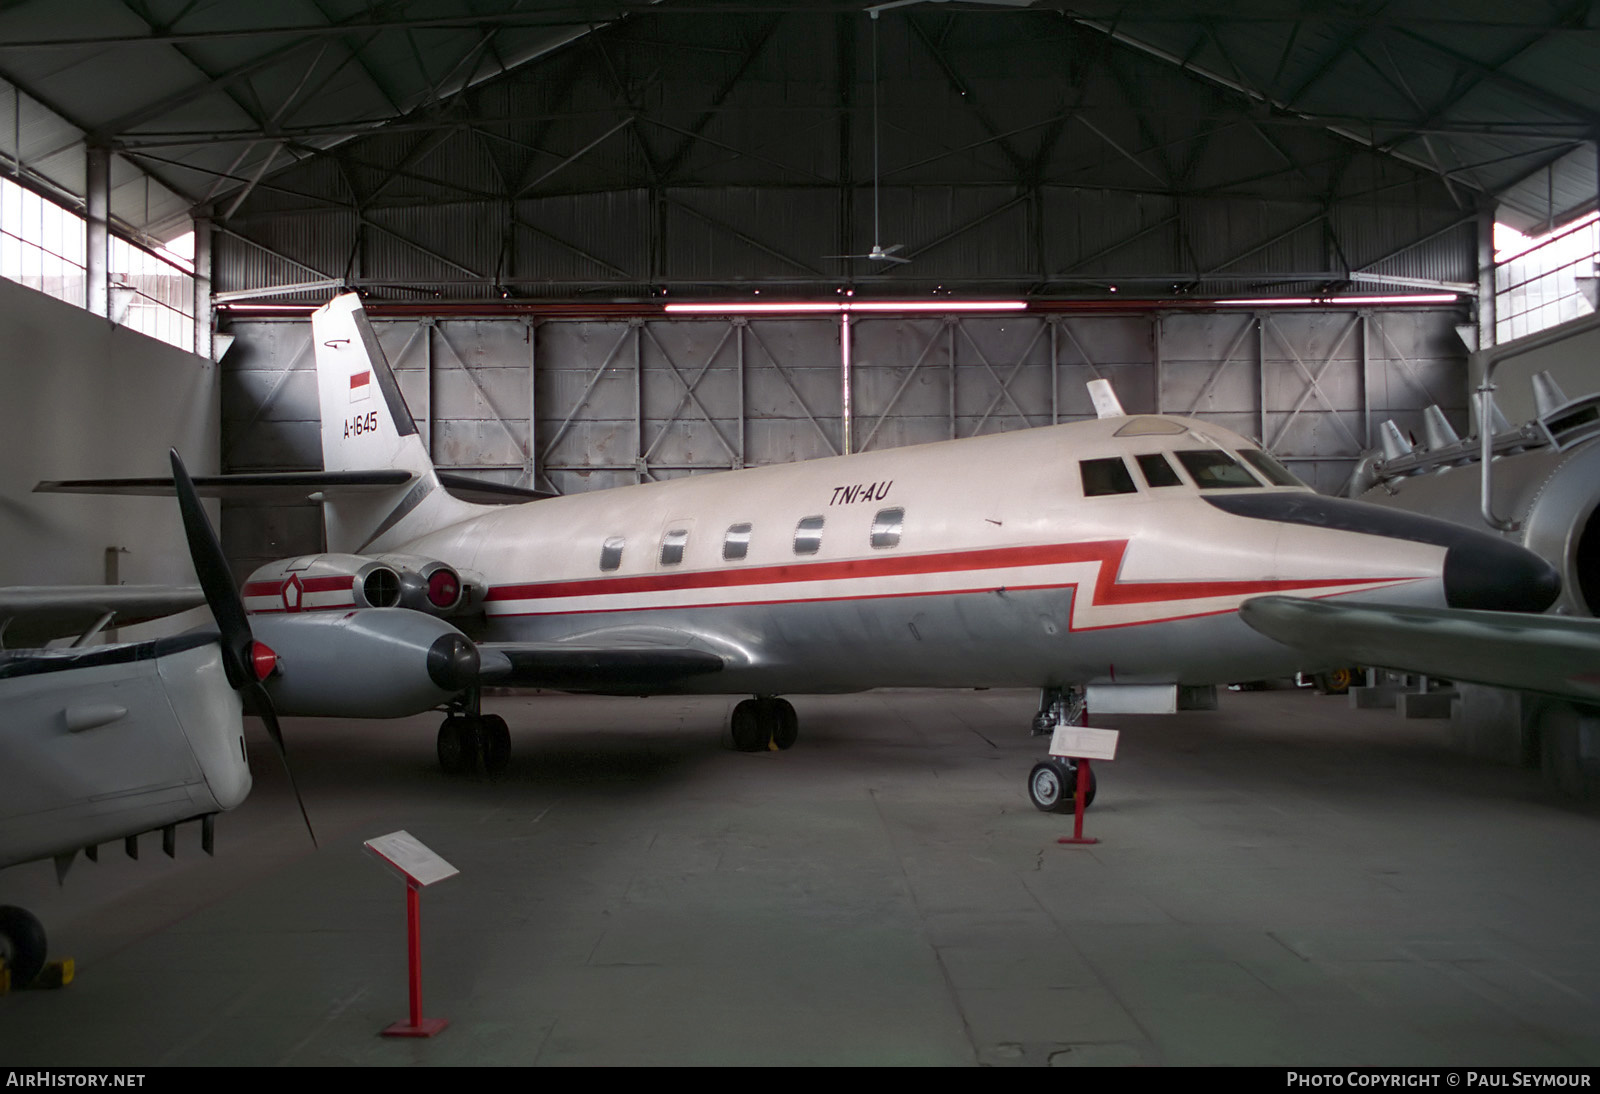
(879, 252)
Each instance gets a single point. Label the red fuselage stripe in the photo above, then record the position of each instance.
(308, 584)
(1107, 591)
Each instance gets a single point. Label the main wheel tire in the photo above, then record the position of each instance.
(1336, 681)
(751, 732)
(22, 944)
(457, 743)
(786, 725)
(496, 744)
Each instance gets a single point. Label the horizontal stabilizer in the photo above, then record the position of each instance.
(1554, 655)
(487, 491)
(255, 485)
(617, 670)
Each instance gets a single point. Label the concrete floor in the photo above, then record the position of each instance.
(1285, 881)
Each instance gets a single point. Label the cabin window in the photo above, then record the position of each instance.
(1269, 468)
(886, 528)
(1213, 469)
(672, 546)
(1108, 476)
(1157, 471)
(808, 536)
(611, 553)
(736, 544)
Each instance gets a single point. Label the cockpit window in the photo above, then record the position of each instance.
(1213, 469)
(611, 553)
(1269, 468)
(1157, 471)
(1108, 476)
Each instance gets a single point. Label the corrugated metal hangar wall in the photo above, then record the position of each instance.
(614, 401)
(674, 155)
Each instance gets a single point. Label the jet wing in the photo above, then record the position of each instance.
(31, 615)
(621, 669)
(1554, 655)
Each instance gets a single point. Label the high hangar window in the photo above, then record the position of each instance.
(1213, 469)
(611, 553)
(808, 536)
(1108, 476)
(736, 544)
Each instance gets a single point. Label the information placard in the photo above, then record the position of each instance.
(409, 855)
(1081, 742)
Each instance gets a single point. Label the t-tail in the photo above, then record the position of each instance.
(366, 426)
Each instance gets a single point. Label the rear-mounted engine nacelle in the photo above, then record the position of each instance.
(428, 585)
(322, 582)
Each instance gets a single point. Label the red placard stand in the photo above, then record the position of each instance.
(420, 867)
(1079, 794)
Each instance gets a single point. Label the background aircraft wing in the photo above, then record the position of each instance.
(1555, 655)
(31, 615)
(621, 669)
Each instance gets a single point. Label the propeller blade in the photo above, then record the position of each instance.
(261, 703)
(233, 623)
(211, 566)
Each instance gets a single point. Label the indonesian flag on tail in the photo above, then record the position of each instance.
(361, 386)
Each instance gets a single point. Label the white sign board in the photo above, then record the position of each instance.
(1080, 742)
(411, 857)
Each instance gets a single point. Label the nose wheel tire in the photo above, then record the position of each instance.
(1052, 784)
(22, 944)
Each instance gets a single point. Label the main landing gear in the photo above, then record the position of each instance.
(763, 723)
(471, 742)
(22, 946)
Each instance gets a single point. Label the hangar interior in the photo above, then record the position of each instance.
(1299, 223)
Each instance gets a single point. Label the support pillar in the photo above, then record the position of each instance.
(97, 289)
(204, 317)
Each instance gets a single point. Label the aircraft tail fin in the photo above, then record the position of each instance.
(366, 426)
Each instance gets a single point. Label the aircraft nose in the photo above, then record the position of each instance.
(1481, 570)
(1489, 574)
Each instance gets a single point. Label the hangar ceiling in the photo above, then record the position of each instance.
(479, 149)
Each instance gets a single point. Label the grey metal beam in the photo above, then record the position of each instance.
(97, 292)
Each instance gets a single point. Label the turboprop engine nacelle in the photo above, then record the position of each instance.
(365, 663)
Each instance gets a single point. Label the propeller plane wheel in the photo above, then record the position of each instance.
(22, 945)
(496, 744)
(458, 745)
(1052, 784)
